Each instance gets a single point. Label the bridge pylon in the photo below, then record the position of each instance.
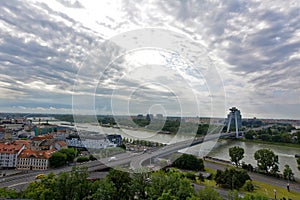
(236, 115)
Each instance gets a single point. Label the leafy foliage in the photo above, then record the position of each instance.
(57, 159)
(236, 154)
(267, 160)
(231, 178)
(288, 173)
(189, 162)
(82, 159)
(208, 193)
(70, 152)
(66, 186)
(249, 186)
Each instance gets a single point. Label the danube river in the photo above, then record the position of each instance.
(286, 154)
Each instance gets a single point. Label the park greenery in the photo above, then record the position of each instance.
(61, 157)
(189, 162)
(119, 185)
(288, 173)
(267, 161)
(275, 133)
(231, 178)
(236, 154)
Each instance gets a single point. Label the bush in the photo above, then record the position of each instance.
(57, 159)
(189, 162)
(92, 157)
(82, 159)
(249, 186)
(231, 178)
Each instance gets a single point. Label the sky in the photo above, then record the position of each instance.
(181, 58)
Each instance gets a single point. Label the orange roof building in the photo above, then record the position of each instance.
(34, 160)
(9, 154)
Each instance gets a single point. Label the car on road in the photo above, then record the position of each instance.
(112, 159)
(39, 176)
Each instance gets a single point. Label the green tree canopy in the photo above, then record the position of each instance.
(231, 178)
(57, 159)
(189, 162)
(288, 173)
(70, 153)
(236, 154)
(208, 193)
(267, 160)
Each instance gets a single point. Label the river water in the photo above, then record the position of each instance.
(286, 155)
(221, 149)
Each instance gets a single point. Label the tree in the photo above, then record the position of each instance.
(106, 191)
(267, 160)
(298, 161)
(57, 159)
(167, 196)
(231, 178)
(161, 182)
(7, 193)
(82, 159)
(249, 135)
(121, 181)
(208, 193)
(288, 173)
(43, 189)
(236, 154)
(189, 162)
(249, 186)
(70, 153)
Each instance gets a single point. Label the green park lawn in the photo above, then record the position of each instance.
(260, 188)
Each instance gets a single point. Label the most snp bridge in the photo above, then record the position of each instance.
(136, 160)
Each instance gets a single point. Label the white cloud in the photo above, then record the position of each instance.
(253, 44)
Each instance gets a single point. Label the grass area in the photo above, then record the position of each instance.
(268, 190)
(260, 188)
(272, 143)
(212, 171)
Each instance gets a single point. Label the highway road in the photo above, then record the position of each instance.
(137, 163)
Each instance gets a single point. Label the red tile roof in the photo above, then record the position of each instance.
(23, 142)
(10, 148)
(62, 143)
(27, 153)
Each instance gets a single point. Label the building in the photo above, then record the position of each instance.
(34, 160)
(9, 154)
(115, 139)
(93, 140)
(60, 145)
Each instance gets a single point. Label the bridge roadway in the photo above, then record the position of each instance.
(138, 160)
(21, 181)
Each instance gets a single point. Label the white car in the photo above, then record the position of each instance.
(112, 159)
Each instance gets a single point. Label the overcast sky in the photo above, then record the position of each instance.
(95, 54)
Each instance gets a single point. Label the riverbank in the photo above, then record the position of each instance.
(270, 143)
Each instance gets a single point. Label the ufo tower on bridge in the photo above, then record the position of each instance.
(235, 116)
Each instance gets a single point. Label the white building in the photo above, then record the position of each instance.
(34, 160)
(89, 141)
(9, 154)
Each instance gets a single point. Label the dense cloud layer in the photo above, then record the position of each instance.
(254, 45)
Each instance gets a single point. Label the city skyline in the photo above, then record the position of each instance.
(254, 47)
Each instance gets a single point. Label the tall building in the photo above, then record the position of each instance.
(234, 119)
